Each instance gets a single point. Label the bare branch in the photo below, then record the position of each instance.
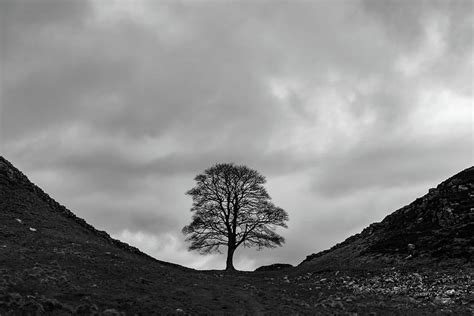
(232, 208)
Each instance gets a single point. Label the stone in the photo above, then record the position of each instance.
(442, 300)
(111, 312)
(86, 309)
(450, 292)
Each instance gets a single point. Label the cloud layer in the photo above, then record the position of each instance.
(351, 109)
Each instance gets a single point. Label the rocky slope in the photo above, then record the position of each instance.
(54, 263)
(435, 229)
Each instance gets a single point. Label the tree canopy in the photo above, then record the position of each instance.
(232, 208)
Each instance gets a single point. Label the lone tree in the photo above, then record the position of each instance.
(232, 208)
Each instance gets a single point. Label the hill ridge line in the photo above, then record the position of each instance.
(432, 192)
(12, 174)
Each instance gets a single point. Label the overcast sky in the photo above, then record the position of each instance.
(351, 109)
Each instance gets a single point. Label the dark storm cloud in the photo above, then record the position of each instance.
(114, 107)
(74, 73)
(385, 165)
(29, 14)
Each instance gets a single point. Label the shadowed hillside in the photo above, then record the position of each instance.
(54, 263)
(436, 229)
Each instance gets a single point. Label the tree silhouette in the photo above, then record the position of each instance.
(232, 208)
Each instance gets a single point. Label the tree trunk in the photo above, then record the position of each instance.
(230, 257)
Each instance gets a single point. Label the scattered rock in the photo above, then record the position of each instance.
(112, 312)
(86, 309)
(442, 300)
(450, 292)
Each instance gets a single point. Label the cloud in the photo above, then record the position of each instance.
(388, 164)
(164, 247)
(349, 108)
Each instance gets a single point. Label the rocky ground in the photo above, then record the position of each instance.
(53, 263)
(46, 289)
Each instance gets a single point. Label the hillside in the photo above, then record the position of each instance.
(436, 229)
(54, 263)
